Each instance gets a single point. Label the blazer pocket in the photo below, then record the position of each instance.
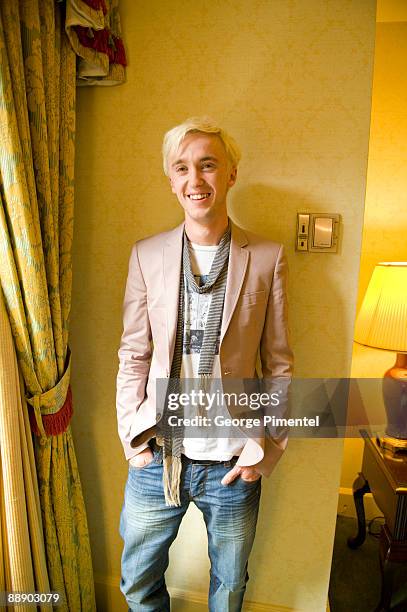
(253, 298)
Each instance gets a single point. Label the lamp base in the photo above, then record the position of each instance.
(395, 399)
(394, 445)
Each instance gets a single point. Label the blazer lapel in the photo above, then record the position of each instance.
(172, 253)
(238, 258)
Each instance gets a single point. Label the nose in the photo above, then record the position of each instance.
(195, 177)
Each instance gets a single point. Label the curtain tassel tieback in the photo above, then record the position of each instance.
(52, 410)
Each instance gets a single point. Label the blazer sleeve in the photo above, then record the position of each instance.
(275, 353)
(134, 353)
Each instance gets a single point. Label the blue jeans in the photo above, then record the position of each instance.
(148, 528)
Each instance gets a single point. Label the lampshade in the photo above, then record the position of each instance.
(382, 319)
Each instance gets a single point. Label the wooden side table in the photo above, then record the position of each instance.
(385, 476)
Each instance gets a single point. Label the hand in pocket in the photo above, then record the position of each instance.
(142, 459)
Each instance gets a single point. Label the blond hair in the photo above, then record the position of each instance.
(174, 137)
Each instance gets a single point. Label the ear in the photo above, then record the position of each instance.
(172, 186)
(232, 177)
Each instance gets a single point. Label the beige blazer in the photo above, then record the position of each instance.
(254, 323)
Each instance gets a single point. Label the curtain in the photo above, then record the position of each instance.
(37, 122)
(93, 27)
(22, 555)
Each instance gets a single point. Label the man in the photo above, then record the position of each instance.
(202, 302)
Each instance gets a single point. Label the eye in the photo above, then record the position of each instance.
(208, 166)
(179, 169)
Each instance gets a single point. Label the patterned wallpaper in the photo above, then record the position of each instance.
(291, 80)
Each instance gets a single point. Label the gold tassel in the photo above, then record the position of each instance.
(160, 440)
(172, 480)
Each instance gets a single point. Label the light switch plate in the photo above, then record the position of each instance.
(317, 232)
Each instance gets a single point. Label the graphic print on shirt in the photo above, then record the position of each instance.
(203, 442)
(196, 314)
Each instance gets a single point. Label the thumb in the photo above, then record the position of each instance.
(147, 455)
(231, 475)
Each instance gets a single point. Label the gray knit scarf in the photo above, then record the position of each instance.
(216, 282)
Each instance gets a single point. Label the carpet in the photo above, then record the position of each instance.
(355, 574)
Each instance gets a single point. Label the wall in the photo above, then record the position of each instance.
(292, 82)
(385, 221)
(391, 10)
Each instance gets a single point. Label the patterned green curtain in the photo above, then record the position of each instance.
(37, 123)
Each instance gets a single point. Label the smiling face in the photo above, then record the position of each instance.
(200, 176)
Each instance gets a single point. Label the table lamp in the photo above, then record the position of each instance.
(382, 323)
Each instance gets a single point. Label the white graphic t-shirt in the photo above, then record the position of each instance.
(195, 315)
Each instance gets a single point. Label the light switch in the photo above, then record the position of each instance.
(302, 244)
(303, 224)
(323, 228)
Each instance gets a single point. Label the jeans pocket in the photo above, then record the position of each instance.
(141, 467)
(249, 482)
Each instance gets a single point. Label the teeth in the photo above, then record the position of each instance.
(198, 196)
